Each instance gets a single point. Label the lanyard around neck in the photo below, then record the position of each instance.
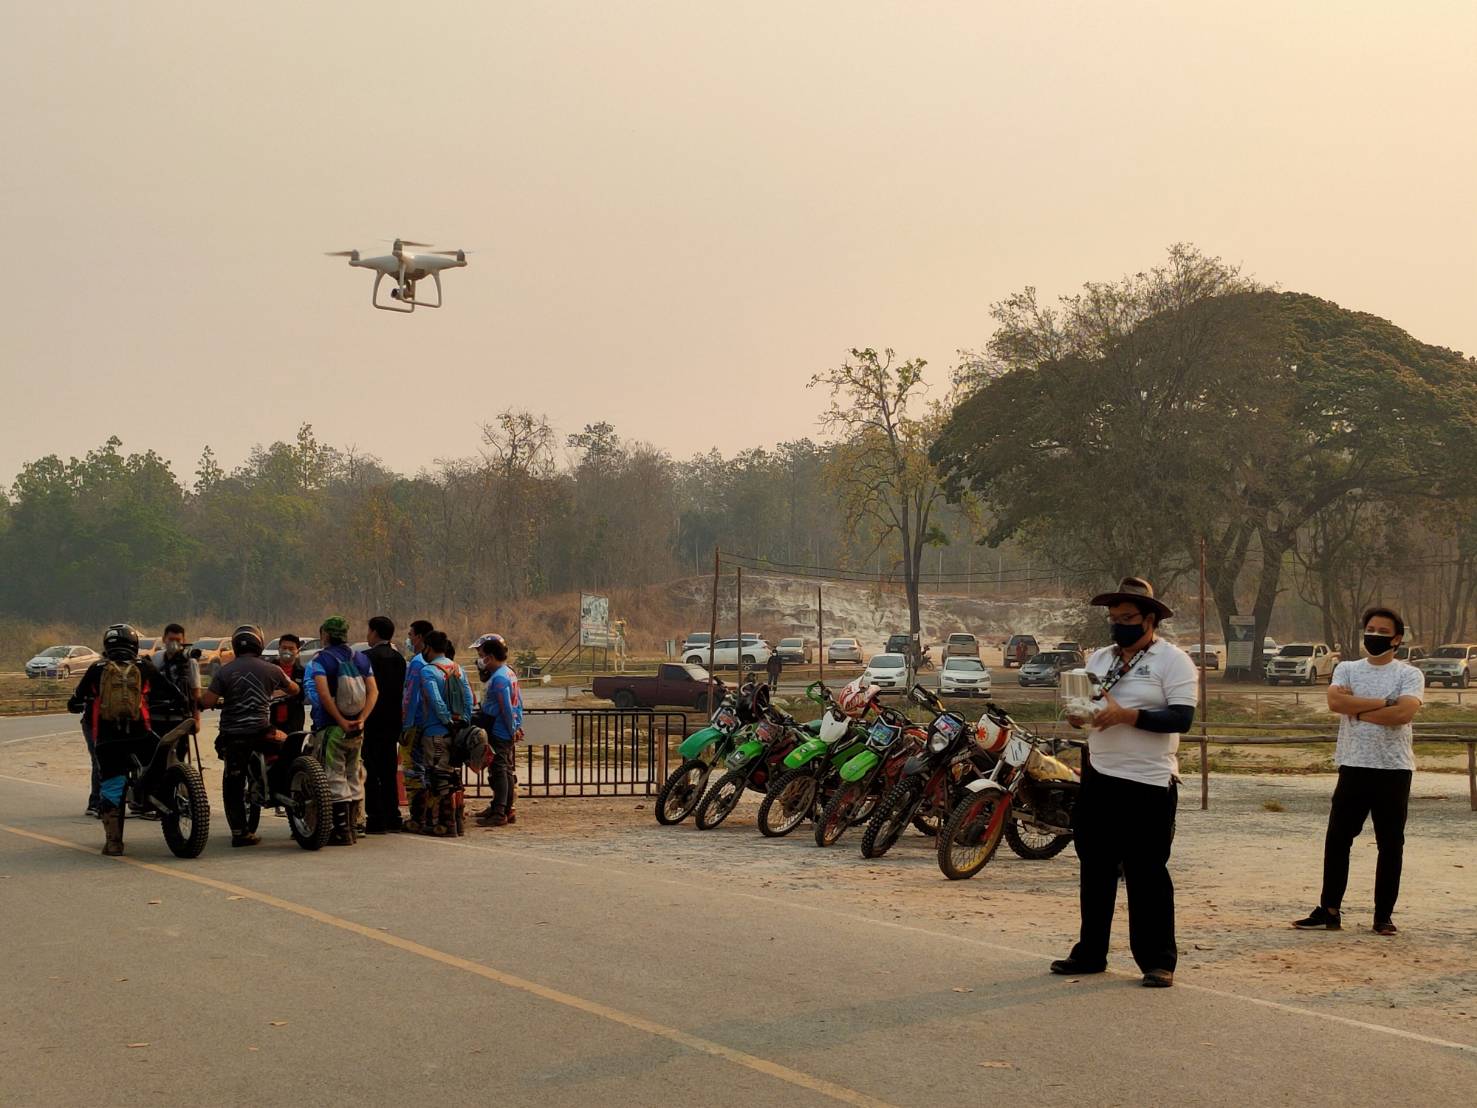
(1123, 667)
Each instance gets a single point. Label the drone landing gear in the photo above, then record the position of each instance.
(400, 301)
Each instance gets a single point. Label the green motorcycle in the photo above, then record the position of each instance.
(700, 752)
(755, 763)
(811, 770)
(869, 775)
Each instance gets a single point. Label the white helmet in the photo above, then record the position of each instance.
(833, 726)
(854, 698)
(990, 734)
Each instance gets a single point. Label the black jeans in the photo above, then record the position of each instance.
(381, 788)
(1361, 792)
(1125, 823)
(501, 776)
(236, 751)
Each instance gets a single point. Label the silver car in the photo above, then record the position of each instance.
(61, 661)
(964, 677)
(844, 650)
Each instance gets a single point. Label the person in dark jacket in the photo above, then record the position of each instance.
(382, 731)
(290, 713)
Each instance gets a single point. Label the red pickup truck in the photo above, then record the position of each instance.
(674, 684)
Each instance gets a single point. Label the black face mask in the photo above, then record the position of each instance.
(1378, 644)
(1126, 634)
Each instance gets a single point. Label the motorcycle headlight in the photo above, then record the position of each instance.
(737, 758)
(937, 743)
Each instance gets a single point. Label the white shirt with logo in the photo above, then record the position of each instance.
(1375, 745)
(1163, 675)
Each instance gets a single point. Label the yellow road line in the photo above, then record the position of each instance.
(580, 1004)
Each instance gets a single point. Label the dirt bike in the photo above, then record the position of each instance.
(933, 779)
(700, 752)
(169, 785)
(870, 774)
(753, 764)
(1027, 799)
(810, 772)
(287, 777)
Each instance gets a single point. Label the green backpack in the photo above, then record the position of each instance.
(120, 693)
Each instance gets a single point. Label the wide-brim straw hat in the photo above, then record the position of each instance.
(1134, 590)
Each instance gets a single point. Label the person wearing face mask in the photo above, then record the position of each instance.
(289, 714)
(175, 665)
(501, 716)
(412, 771)
(1124, 819)
(1375, 699)
(382, 730)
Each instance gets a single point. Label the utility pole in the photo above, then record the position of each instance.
(1204, 705)
(739, 657)
(820, 634)
(713, 633)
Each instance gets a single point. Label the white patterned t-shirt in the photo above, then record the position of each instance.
(1374, 745)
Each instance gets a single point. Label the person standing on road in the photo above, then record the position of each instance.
(1375, 698)
(382, 731)
(342, 693)
(289, 715)
(444, 700)
(411, 769)
(772, 669)
(1124, 819)
(501, 717)
(182, 672)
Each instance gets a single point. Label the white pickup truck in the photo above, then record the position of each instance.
(1302, 663)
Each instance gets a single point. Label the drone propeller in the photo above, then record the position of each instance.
(452, 253)
(341, 253)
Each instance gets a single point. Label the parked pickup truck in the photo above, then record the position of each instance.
(677, 685)
(1302, 663)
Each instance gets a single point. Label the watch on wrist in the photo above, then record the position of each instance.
(1391, 701)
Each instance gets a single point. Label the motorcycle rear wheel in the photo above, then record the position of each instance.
(186, 826)
(837, 815)
(719, 802)
(311, 815)
(682, 793)
(892, 815)
(788, 804)
(1034, 846)
(972, 835)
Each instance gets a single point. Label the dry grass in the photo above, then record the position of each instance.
(1273, 806)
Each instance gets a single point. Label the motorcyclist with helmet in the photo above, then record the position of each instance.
(115, 693)
(245, 687)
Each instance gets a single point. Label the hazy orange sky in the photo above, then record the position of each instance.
(681, 210)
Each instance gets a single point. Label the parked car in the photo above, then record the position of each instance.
(961, 645)
(1302, 663)
(214, 653)
(146, 647)
(61, 661)
(683, 686)
(1068, 645)
(886, 671)
(726, 653)
(697, 640)
(844, 650)
(795, 651)
(1012, 646)
(1207, 655)
(1411, 654)
(964, 677)
(1045, 669)
(1450, 665)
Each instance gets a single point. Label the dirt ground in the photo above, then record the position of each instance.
(1242, 871)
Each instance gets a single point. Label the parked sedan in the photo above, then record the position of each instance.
(1045, 669)
(844, 650)
(964, 677)
(794, 651)
(61, 661)
(886, 671)
(214, 653)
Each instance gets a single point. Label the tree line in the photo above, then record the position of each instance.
(1320, 457)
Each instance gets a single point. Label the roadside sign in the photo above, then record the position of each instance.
(1239, 641)
(594, 620)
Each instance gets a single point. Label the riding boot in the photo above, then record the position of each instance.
(343, 825)
(113, 830)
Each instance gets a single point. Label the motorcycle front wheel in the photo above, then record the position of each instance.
(1034, 846)
(186, 823)
(892, 815)
(720, 801)
(838, 813)
(788, 804)
(681, 793)
(972, 835)
(311, 815)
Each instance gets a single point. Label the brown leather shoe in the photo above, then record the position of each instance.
(492, 820)
(1158, 979)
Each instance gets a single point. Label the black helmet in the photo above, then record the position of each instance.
(247, 639)
(753, 700)
(120, 643)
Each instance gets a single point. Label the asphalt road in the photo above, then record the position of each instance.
(407, 968)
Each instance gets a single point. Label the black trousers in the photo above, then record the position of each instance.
(381, 790)
(502, 775)
(1362, 792)
(1127, 824)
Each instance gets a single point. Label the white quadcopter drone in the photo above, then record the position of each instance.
(406, 270)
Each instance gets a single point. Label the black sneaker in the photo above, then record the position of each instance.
(1385, 927)
(1319, 919)
(1071, 967)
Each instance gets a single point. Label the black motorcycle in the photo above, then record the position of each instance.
(168, 785)
(291, 780)
(933, 779)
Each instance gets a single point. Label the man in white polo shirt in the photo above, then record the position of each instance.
(1130, 786)
(1375, 699)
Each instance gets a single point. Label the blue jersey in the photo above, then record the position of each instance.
(329, 661)
(502, 704)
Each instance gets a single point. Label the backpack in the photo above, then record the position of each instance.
(456, 690)
(120, 693)
(350, 690)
